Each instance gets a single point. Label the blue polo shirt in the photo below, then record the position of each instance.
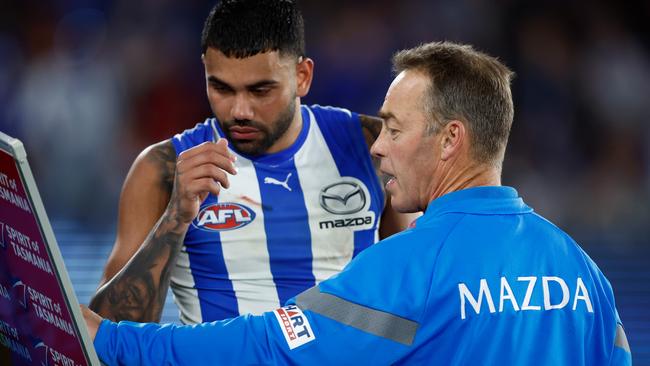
(480, 279)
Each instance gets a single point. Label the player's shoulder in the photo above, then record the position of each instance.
(155, 161)
(337, 117)
(199, 127)
(328, 116)
(328, 111)
(162, 150)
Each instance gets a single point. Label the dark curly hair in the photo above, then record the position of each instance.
(244, 28)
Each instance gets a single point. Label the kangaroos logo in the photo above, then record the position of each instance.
(224, 216)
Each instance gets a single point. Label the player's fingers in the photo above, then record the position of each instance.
(198, 187)
(221, 161)
(204, 171)
(220, 147)
(197, 150)
(203, 196)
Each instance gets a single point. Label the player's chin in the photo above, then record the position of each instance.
(248, 147)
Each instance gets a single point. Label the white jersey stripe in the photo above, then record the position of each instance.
(245, 250)
(331, 249)
(184, 290)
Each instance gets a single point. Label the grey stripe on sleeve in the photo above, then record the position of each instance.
(369, 320)
(621, 339)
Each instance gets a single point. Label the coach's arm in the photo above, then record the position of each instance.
(288, 335)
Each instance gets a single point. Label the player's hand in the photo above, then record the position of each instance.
(92, 321)
(199, 171)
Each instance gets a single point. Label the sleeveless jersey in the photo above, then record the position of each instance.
(289, 220)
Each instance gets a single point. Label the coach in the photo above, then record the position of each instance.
(480, 278)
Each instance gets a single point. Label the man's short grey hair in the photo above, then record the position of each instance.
(466, 85)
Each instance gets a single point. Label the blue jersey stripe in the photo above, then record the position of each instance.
(223, 306)
(286, 229)
(362, 240)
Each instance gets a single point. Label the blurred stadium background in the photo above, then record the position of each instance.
(88, 84)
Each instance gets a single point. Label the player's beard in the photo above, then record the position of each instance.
(269, 133)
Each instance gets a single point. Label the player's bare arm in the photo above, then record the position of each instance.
(143, 199)
(137, 292)
(391, 221)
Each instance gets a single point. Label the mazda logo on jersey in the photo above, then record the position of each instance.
(224, 216)
(343, 198)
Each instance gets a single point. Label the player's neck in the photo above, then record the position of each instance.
(292, 133)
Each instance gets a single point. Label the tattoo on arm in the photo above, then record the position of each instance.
(164, 155)
(138, 291)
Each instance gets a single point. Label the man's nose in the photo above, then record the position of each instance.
(242, 108)
(378, 149)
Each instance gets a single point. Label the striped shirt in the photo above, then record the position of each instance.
(289, 220)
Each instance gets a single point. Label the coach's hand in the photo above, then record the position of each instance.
(199, 171)
(92, 321)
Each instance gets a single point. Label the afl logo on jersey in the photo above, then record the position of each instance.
(224, 216)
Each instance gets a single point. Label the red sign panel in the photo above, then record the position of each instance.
(36, 324)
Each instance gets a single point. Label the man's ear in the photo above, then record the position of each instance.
(304, 75)
(453, 137)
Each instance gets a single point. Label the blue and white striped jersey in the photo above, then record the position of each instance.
(288, 221)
